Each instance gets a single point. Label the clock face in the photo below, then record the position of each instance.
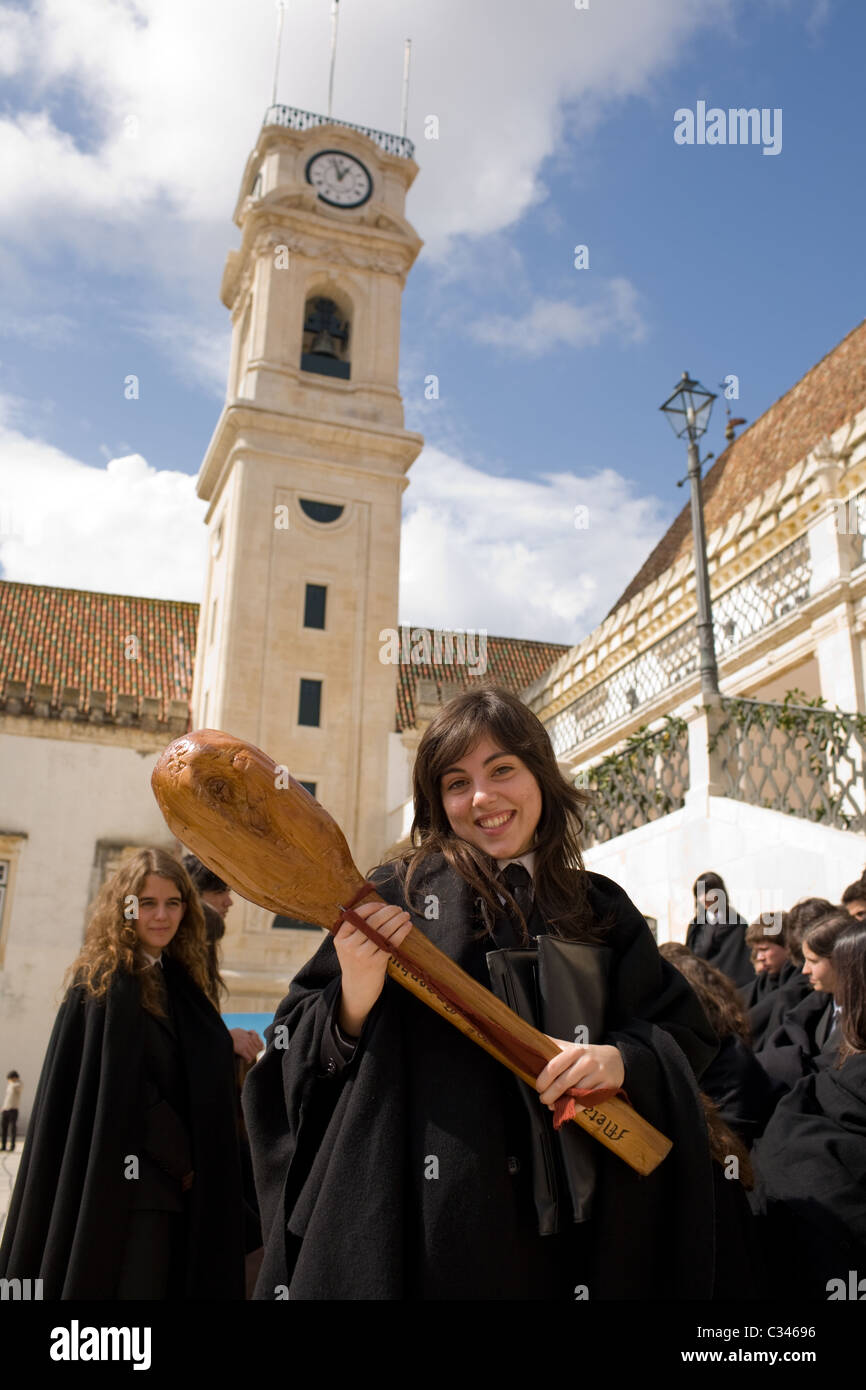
(339, 179)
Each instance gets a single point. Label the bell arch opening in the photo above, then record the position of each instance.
(325, 345)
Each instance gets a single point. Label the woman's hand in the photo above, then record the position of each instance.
(362, 962)
(246, 1043)
(588, 1066)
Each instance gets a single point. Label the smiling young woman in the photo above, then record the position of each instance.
(129, 1185)
(394, 1159)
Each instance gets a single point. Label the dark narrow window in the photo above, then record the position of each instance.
(310, 703)
(314, 605)
(309, 787)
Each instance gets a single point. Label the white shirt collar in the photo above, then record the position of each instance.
(527, 860)
(154, 960)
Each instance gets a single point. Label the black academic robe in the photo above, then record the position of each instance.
(769, 997)
(740, 1088)
(723, 945)
(68, 1215)
(811, 1165)
(407, 1173)
(802, 1043)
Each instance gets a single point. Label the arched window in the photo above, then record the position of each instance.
(325, 347)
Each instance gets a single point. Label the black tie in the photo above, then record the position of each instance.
(519, 881)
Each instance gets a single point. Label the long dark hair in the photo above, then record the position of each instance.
(559, 875)
(799, 918)
(717, 995)
(849, 968)
(821, 936)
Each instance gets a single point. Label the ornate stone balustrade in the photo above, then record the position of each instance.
(646, 778)
(802, 759)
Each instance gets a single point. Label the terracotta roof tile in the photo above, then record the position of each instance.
(72, 637)
(513, 662)
(830, 393)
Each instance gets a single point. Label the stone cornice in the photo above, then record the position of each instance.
(325, 440)
(295, 220)
(147, 742)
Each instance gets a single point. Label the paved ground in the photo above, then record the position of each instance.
(8, 1169)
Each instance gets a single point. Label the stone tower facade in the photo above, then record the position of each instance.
(303, 477)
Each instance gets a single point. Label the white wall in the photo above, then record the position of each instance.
(64, 796)
(768, 860)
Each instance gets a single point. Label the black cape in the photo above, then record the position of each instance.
(723, 945)
(792, 1050)
(769, 997)
(739, 1086)
(405, 1176)
(811, 1165)
(68, 1215)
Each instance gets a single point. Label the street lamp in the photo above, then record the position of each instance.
(688, 410)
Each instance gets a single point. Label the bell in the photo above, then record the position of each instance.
(324, 345)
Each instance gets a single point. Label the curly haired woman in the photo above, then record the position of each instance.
(129, 1185)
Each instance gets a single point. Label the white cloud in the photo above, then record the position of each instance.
(199, 353)
(172, 94)
(478, 551)
(550, 323)
(504, 554)
(128, 528)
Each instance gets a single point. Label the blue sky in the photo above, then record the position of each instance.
(124, 130)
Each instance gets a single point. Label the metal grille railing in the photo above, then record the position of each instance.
(646, 779)
(755, 602)
(801, 759)
(295, 119)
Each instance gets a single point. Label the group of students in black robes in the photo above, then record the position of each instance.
(393, 1158)
(790, 1075)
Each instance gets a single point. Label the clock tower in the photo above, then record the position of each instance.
(303, 479)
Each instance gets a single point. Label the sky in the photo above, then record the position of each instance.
(124, 131)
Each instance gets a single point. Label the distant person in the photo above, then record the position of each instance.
(809, 1034)
(810, 1161)
(798, 920)
(793, 985)
(216, 900)
(777, 972)
(734, 1081)
(211, 888)
(9, 1119)
(718, 932)
(854, 900)
(129, 1185)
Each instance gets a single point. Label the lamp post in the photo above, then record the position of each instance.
(688, 410)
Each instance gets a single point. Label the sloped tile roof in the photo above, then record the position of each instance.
(513, 662)
(72, 637)
(830, 393)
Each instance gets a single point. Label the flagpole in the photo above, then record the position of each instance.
(334, 12)
(280, 8)
(404, 119)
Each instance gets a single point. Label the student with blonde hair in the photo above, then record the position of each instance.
(129, 1185)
